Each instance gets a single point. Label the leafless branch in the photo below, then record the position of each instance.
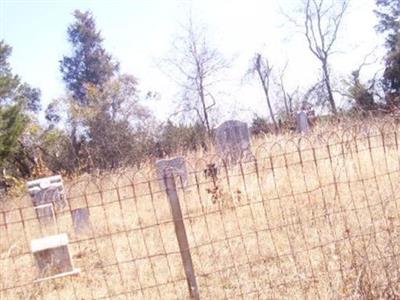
(262, 68)
(195, 66)
(322, 20)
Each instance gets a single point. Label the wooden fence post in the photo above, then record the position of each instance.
(180, 231)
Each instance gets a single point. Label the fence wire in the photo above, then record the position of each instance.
(308, 217)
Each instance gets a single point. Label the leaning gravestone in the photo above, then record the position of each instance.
(53, 257)
(233, 140)
(302, 122)
(178, 167)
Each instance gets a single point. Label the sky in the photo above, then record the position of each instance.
(139, 34)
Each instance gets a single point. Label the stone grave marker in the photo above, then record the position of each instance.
(178, 165)
(45, 214)
(302, 123)
(47, 190)
(233, 140)
(53, 257)
(81, 220)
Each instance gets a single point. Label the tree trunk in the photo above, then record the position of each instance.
(328, 87)
(76, 145)
(203, 104)
(285, 100)
(290, 105)
(266, 92)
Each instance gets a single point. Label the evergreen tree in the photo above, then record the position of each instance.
(89, 64)
(389, 24)
(361, 94)
(89, 67)
(8, 82)
(12, 91)
(17, 100)
(12, 124)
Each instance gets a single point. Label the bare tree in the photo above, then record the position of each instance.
(263, 70)
(195, 66)
(286, 95)
(322, 20)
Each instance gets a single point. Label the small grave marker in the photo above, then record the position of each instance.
(81, 221)
(233, 140)
(302, 123)
(53, 257)
(178, 167)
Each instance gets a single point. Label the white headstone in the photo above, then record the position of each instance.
(47, 190)
(53, 257)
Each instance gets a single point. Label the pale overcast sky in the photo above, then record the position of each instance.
(138, 33)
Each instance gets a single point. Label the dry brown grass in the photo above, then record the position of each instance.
(317, 219)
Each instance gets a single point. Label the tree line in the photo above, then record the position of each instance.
(101, 124)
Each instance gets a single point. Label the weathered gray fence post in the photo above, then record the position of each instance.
(180, 231)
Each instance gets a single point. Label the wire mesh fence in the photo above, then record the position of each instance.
(308, 217)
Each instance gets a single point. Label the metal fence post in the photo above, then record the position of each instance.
(180, 231)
